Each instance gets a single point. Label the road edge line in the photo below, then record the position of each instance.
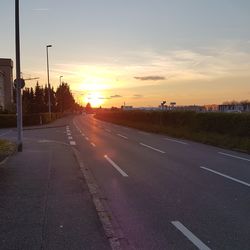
(114, 237)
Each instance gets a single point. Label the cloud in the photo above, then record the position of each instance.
(115, 96)
(149, 78)
(104, 98)
(137, 96)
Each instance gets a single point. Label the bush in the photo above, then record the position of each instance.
(7, 121)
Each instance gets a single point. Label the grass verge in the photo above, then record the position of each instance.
(6, 149)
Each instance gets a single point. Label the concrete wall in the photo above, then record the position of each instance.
(6, 83)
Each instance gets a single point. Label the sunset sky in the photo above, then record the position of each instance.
(140, 52)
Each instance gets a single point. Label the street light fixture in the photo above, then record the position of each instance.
(61, 79)
(49, 102)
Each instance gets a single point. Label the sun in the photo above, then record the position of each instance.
(95, 99)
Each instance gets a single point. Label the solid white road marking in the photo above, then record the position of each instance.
(155, 149)
(125, 137)
(234, 156)
(70, 137)
(93, 144)
(72, 143)
(226, 176)
(196, 241)
(177, 141)
(115, 166)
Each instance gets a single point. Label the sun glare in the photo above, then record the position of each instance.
(95, 99)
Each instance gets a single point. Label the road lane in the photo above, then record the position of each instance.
(158, 185)
(193, 152)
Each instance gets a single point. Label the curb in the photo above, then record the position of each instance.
(114, 234)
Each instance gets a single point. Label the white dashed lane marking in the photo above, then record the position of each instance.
(72, 143)
(123, 136)
(177, 141)
(155, 149)
(226, 176)
(115, 166)
(196, 241)
(234, 156)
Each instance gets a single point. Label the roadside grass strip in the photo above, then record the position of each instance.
(155, 149)
(234, 156)
(196, 241)
(115, 166)
(226, 176)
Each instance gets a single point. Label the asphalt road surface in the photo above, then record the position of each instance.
(167, 193)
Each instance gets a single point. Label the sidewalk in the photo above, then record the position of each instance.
(45, 203)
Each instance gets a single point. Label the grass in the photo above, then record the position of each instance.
(6, 148)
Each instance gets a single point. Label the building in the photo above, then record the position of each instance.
(234, 108)
(6, 84)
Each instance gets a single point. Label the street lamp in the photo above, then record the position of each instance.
(18, 82)
(49, 102)
(61, 79)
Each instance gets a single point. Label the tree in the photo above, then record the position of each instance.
(40, 105)
(88, 109)
(64, 98)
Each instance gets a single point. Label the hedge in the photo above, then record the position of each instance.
(9, 120)
(230, 130)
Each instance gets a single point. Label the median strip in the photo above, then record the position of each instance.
(115, 166)
(226, 176)
(196, 241)
(155, 149)
(234, 156)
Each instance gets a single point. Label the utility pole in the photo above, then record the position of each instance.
(61, 80)
(49, 102)
(19, 82)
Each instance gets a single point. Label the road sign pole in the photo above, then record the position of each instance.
(18, 80)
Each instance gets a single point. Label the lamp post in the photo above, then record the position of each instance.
(18, 82)
(49, 102)
(61, 79)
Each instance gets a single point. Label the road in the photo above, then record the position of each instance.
(166, 193)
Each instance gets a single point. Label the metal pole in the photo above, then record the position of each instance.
(61, 80)
(18, 85)
(49, 103)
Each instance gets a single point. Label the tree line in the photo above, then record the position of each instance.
(36, 100)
